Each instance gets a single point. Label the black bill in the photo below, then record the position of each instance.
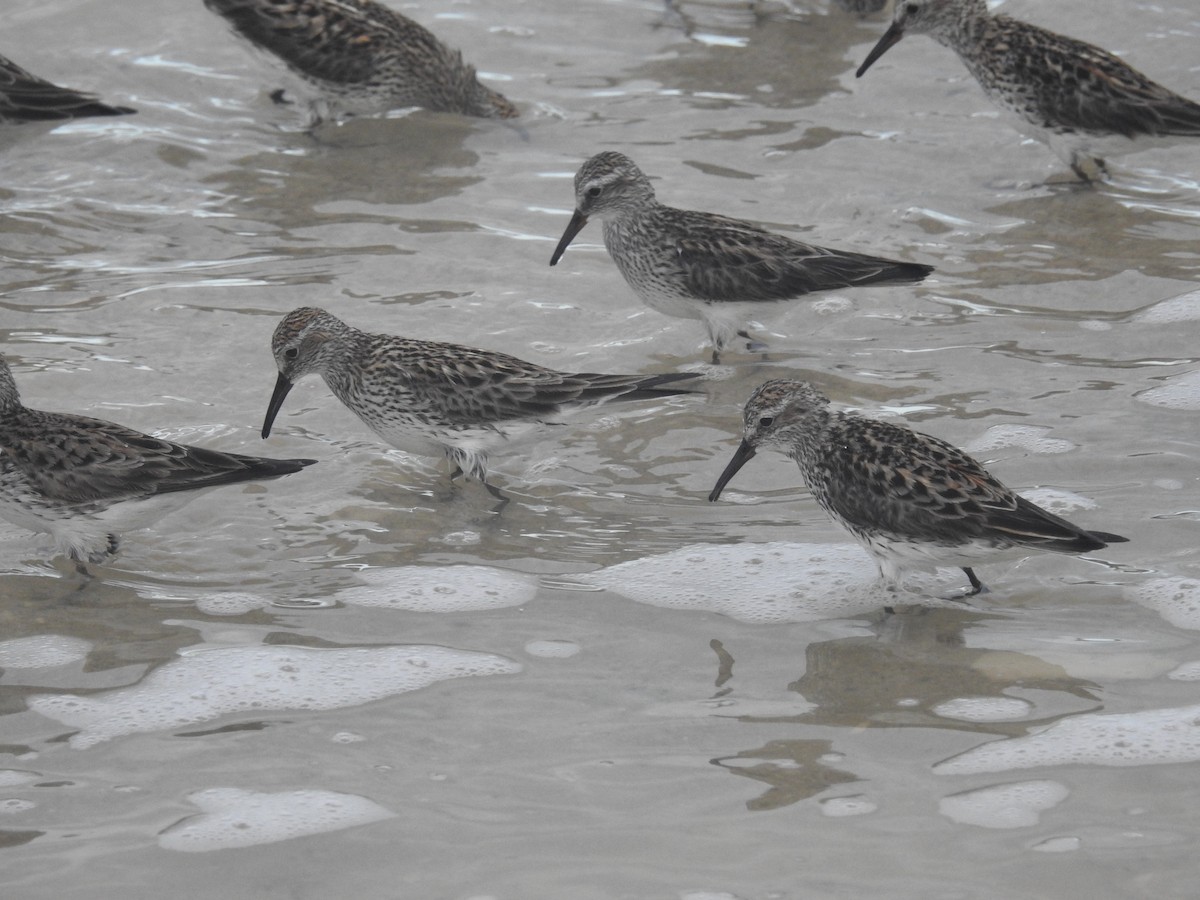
(744, 453)
(282, 386)
(573, 228)
(890, 38)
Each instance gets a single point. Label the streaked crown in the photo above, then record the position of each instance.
(306, 340)
(936, 16)
(610, 183)
(780, 411)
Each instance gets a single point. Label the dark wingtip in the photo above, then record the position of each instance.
(275, 468)
(663, 385)
(1105, 538)
(103, 109)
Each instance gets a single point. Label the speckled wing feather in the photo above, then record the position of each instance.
(313, 38)
(904, 482)
(467, 386)
(24, 97)
(97, 462)
(726, 259)
(1032, 526)
(1093, 90)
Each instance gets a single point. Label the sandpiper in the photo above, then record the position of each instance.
(1078, 99)
(28, 100)
(364, 57)
(437, 399)
(85, 480)
(699, 265)
(912, 500)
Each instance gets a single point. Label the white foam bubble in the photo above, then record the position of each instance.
(1153, 737)
(14, 777)
(41, 651)
(230, 603)
(1183, 308)
(828, 306)
(1175, 599)
(1016, 805)
(552, 649)
(761, 583)
(843, 807)
(1176, 392)
(984, 709)
(232, 817)
(1058, 501)
(1189, 671)
(461, 538)
(205, 684)
(440, 589)
(1024, 437)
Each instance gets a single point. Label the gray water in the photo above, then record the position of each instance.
(674, 699)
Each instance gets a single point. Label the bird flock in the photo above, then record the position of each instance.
(912, 500)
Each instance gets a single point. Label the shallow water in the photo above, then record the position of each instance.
(670, 698)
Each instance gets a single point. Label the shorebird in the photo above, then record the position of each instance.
(437, 399)
(912, 500)
(85, 481)
(26, 100)
(364, 57)
(1081, 101)
(699, 265)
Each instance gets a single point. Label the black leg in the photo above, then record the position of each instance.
(497, 493)
(754, 345)
(976, 585)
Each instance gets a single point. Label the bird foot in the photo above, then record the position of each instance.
(1090, 169)
(753, 344)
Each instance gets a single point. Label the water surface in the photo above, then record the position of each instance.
(669, 698)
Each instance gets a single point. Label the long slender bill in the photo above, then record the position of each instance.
(282, 386)
(890, 38)
(573, 228)
(744, 453)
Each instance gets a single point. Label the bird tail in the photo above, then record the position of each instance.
(1031, 526)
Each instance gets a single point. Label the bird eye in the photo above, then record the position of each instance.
(766, 421)
(593, 192)
(291, 353)
(912, 9)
